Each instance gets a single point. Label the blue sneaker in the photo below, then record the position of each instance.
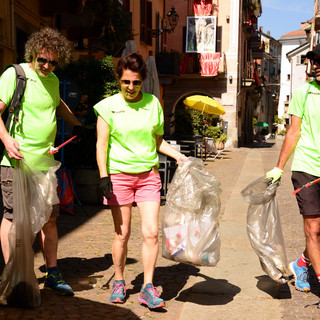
(55, 282)
(301, 276)
(118, 294)
(150, 296)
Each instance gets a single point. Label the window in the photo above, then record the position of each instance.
(146, 22)
(288, 76)
(303, 59)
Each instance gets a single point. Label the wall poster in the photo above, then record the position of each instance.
(201, 34)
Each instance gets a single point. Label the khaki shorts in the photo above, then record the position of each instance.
(7, 194)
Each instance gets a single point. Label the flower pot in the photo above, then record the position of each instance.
(219, 145)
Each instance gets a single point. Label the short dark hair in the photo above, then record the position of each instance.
(134, 62)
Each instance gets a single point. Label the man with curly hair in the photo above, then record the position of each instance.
(41, 103)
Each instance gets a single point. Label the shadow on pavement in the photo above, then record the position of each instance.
(55, 307)
(210, 292)
(267, 285)
(78, 271)
(171, 278)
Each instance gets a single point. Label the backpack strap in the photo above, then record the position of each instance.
(15, 103)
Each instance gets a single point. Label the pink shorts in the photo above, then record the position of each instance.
(131, 187)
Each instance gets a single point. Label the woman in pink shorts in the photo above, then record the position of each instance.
(129, 135)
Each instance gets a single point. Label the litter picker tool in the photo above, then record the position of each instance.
(54, 150)
(307, 185)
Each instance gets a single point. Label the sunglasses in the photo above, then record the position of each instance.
(53, 63)
(135, 82)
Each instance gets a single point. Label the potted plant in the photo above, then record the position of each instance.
(221, 140)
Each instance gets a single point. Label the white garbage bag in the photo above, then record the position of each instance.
(264, 228)
(34, 194)
(190, 228)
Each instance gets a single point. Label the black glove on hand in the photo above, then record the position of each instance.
(79, 132)
(105, 187)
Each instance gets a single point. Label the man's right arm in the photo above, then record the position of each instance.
(288, 147)
(11, 145)
(290, 142)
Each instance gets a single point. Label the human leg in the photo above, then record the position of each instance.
(312, 234)
(49, 245)
(7, 199)
(149, 212)
(49, 242)
(309, 205)
(122, 225)
(5, 227)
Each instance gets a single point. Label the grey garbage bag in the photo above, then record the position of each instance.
(264, 228)
(190, 226)
(34, 194)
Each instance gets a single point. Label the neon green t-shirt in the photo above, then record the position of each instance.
(37, 128)
(305, 104)
(133, 126)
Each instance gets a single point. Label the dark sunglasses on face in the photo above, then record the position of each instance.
(135, 82)
(53, 63)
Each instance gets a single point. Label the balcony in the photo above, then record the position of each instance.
(168, 63)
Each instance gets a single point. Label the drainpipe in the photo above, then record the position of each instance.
(12, 24)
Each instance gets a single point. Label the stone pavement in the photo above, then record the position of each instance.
(236, 288)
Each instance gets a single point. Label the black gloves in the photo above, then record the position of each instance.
(105, 187)
(79, 132)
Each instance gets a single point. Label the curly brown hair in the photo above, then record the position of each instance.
(50, 40)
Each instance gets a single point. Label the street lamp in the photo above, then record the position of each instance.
(173, 18)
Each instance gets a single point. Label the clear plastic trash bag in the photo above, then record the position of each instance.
(34, 194)
(264, 228)
(190, 227)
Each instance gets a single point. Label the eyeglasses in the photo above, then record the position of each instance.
(53, 63)
(135, 82)
(316, 61)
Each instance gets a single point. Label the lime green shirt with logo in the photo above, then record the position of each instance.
(37, 126)
(133, 126)
(305, 104)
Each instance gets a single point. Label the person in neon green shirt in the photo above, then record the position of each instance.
(35, 133)
(129, 135)
(302, 138)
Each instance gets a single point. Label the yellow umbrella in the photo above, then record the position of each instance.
(204, 104)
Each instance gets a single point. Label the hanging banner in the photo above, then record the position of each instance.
(202, 7)
(210, 64)
(201, 34)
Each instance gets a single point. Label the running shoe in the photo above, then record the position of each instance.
(150, 296)
(55, 283)
(301, 276)
(118, 294)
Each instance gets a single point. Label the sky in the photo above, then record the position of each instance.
(283, 16)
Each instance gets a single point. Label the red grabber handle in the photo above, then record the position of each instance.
(63, 144)
(69, 140)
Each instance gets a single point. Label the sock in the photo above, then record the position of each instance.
(50, 270)
(303, 261)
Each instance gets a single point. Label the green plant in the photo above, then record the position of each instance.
(96, 79)
(278, 120)
(213, 132)
(254, 122)
(283, 132)
(223, 138)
